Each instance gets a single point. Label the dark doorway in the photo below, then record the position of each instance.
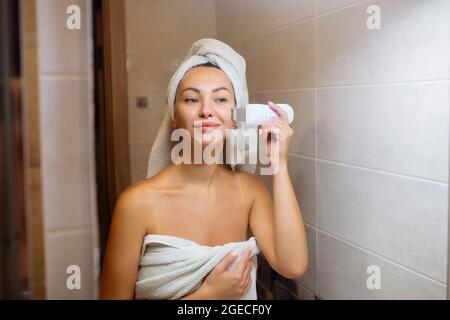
(111, 111)
(13, 230)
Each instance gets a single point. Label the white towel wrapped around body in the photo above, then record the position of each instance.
(172, 267)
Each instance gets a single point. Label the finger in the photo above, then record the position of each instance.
(249, 269)
(248, 276)
(243, 262)
(274, 125)
(245, 286)
(225, 263)
(268, 123)
(248, 285)
(281, 128)
(264, 132)
(279, 111)
(279, 124)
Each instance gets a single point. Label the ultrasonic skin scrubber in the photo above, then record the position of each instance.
(256, 114)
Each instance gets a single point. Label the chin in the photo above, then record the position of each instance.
(205, 141)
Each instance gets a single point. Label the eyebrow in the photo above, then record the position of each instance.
(198, 91)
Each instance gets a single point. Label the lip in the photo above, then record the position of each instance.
(208, 125)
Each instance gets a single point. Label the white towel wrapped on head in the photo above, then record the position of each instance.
(233, 65)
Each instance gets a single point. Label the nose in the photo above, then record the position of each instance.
(206, 110)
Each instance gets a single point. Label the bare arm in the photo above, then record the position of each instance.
(121, 261)
(278, 226)
(290, 237)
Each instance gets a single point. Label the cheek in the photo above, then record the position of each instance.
(225, 116)
(184, 117)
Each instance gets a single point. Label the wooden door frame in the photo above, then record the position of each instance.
(111, 100)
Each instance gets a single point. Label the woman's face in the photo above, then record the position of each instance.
(204, 99)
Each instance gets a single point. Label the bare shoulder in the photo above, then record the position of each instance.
(137, 201)
(135, 195)
(252, 184)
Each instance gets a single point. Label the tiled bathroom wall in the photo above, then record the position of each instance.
(369, 156)
(67, 149)
(159, 34)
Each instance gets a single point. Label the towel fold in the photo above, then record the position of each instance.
(172, 267)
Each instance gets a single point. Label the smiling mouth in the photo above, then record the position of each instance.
(207, 128)
(207, 125)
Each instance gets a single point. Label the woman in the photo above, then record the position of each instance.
(196, 215)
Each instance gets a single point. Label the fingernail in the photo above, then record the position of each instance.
(234, 253)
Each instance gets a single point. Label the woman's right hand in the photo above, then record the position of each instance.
(221, 284)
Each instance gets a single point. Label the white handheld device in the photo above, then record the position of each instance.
(256, 113)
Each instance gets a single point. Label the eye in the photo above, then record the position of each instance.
(222, 100)
(193, 100)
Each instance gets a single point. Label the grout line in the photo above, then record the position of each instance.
(375, 170)
(302, 156)
(341, 8)
(375, 254)
(385, 83)
(306, 289)
(141, 141)
(309, 225)
(96, 242)
(263, 285)
(283, 90)
(69, 231)
(289, 290)
(64, 76)
(355, 85)
(391, 173)
(316, 166)
(293, 23)
(145, 93)
(269, 31)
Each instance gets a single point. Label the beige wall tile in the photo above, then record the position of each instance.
(144, 123)
(401, 219)
(63, 250)
(61, 50)
(238, 20)
(343, 275)
(412, 44)
(399, 128)
(324, 6)
(170, 24)
(282, 59)
(140, 152)
(303, 176)
(302, 101)
(65, 165)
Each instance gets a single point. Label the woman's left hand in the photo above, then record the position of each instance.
(282, 134)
